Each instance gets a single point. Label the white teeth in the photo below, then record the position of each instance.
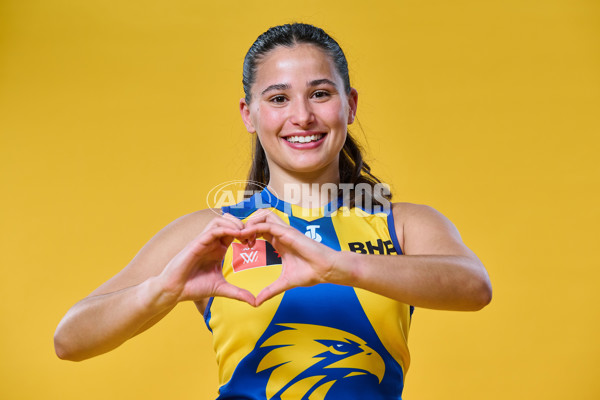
(304, 139)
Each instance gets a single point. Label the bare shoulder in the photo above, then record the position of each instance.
(422, 229)
(158, 251)
(419, 215)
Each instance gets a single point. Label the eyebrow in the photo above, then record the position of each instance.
(286, 86)
(318, 82)
(277, 86)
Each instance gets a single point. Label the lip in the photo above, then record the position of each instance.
(305, 146)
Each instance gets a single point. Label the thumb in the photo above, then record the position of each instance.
(233, 292)
(275, 288)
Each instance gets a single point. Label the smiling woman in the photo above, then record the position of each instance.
(307, 295)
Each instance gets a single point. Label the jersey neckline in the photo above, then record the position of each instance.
(272, 200)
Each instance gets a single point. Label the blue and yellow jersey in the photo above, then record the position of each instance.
(321, 342)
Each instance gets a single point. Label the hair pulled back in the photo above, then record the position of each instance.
(352, 167)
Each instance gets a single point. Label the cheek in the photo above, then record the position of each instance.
(269, 119)
(335, 115)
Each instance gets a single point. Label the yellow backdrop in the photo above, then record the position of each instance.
(117, 117)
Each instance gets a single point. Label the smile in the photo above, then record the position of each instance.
(304, 139)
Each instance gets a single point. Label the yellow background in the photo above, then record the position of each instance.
(117, 117)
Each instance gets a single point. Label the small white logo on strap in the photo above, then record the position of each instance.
(311, 232)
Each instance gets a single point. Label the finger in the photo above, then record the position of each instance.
(245, 236)
(227, 220)
(233, 292)
(221, 235)
(221, 231)
(251, 241)
(275, 288)
(234, 220)
(262, 227)
(272, 217)
(269, 231)
(250, 234)
(259, 215)
(264, 215)
(253, 233)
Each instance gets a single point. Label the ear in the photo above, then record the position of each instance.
(352, 105)
(245, 111)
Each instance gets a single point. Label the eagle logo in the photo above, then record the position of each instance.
(307, 360)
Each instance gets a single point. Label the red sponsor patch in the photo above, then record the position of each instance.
(245, 257)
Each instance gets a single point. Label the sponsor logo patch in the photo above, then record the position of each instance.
(311, 232)
(379, 247)
(262, 254)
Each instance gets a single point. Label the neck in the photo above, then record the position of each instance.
(307, 190)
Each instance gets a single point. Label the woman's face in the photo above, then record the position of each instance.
(300, 111)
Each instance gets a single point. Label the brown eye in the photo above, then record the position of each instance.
(278, 99)
(320, 94)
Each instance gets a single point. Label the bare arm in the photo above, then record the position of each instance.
(438, 270)
(182, 262)
(100, 323)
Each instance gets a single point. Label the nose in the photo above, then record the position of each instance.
(301, 113)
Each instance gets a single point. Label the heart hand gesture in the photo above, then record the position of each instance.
(305, 262)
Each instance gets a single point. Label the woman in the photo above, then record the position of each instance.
(333, 304)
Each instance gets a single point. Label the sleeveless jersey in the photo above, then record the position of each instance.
(321, 342)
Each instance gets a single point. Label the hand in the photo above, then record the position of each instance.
(305, 262)
(196, 271)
